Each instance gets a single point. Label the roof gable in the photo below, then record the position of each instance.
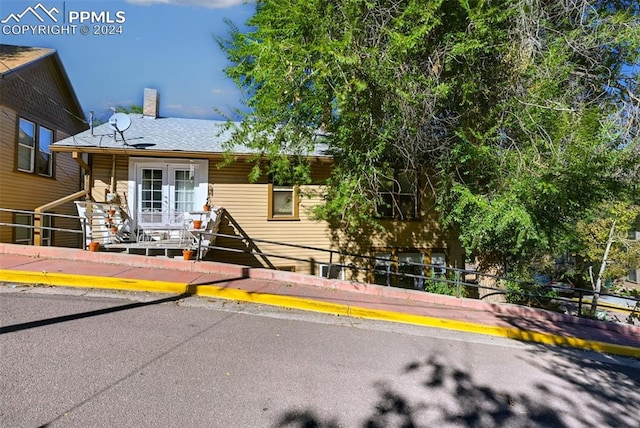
(15, 57)
(35, 84)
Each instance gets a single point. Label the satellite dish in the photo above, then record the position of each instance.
(120, 122)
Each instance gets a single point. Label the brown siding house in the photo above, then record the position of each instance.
(38, 106)
(158, 169)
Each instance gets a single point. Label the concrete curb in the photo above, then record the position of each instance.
(232, 270)
(305, 304)
(235, 271)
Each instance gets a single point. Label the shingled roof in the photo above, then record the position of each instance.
(14, 57)
(164, 135)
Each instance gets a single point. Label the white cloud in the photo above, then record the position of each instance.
(211, 4)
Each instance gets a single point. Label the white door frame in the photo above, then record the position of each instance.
(199, 167)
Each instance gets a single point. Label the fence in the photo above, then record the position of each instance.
(45, 228)
(449, 280)
(440, 279)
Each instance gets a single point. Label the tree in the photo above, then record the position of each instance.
(518, 115)
(610, 225)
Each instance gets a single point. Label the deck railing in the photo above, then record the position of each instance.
(428, 277)
(37, 228)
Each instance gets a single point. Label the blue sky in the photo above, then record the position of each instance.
(164, 44)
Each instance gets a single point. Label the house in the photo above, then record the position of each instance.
(160, 171)
(38, 106)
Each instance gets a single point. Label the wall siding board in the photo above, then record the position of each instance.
(25, 191)
(20, 98)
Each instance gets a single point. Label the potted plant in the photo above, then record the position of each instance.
(197, 224)
(187, 253)
(94, 246)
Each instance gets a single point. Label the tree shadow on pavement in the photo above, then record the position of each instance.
(450, 396)
(564, 332)
(613, 382)
(191, 290)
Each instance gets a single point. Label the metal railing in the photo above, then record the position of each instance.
(39, 229)
(404, 274)
(576, 300)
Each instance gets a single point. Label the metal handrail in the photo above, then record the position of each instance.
(452, 275)
(82, 221)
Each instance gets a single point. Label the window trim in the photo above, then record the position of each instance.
(29, 240)
(295, 216)
(394, 262)
(338, 268)
(396, 196)
(35, 163)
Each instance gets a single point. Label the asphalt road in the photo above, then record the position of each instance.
(75, 358)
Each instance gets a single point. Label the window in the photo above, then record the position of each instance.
(336, 272)
(24, 235)
(34, 148)
(184, 191)
(439, 263)
(382, 269)
(283, 202)
(45, 234)
(151, 195)
(411, 265)
(406, 268)
(397, 268)
(399, 198)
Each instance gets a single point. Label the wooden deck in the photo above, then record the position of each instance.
(165, 247)
(167, 240)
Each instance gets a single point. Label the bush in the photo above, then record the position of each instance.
(440, 285)
(528, 294)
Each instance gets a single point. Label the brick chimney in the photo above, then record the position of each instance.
(150, 108)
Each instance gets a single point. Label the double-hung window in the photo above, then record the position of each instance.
(34, 148)
(398, 198)
(282, 202)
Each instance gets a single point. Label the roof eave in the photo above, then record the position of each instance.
(129, 151)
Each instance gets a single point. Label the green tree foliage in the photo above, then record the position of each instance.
(132, 109)
(594, 232)
(520, 115)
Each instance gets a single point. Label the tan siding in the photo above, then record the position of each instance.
(250, 212)
(102, 170)
(7, 148)
(40, 93)
(247, 203)
(25, 191)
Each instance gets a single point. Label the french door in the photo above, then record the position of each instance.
(165, 191)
